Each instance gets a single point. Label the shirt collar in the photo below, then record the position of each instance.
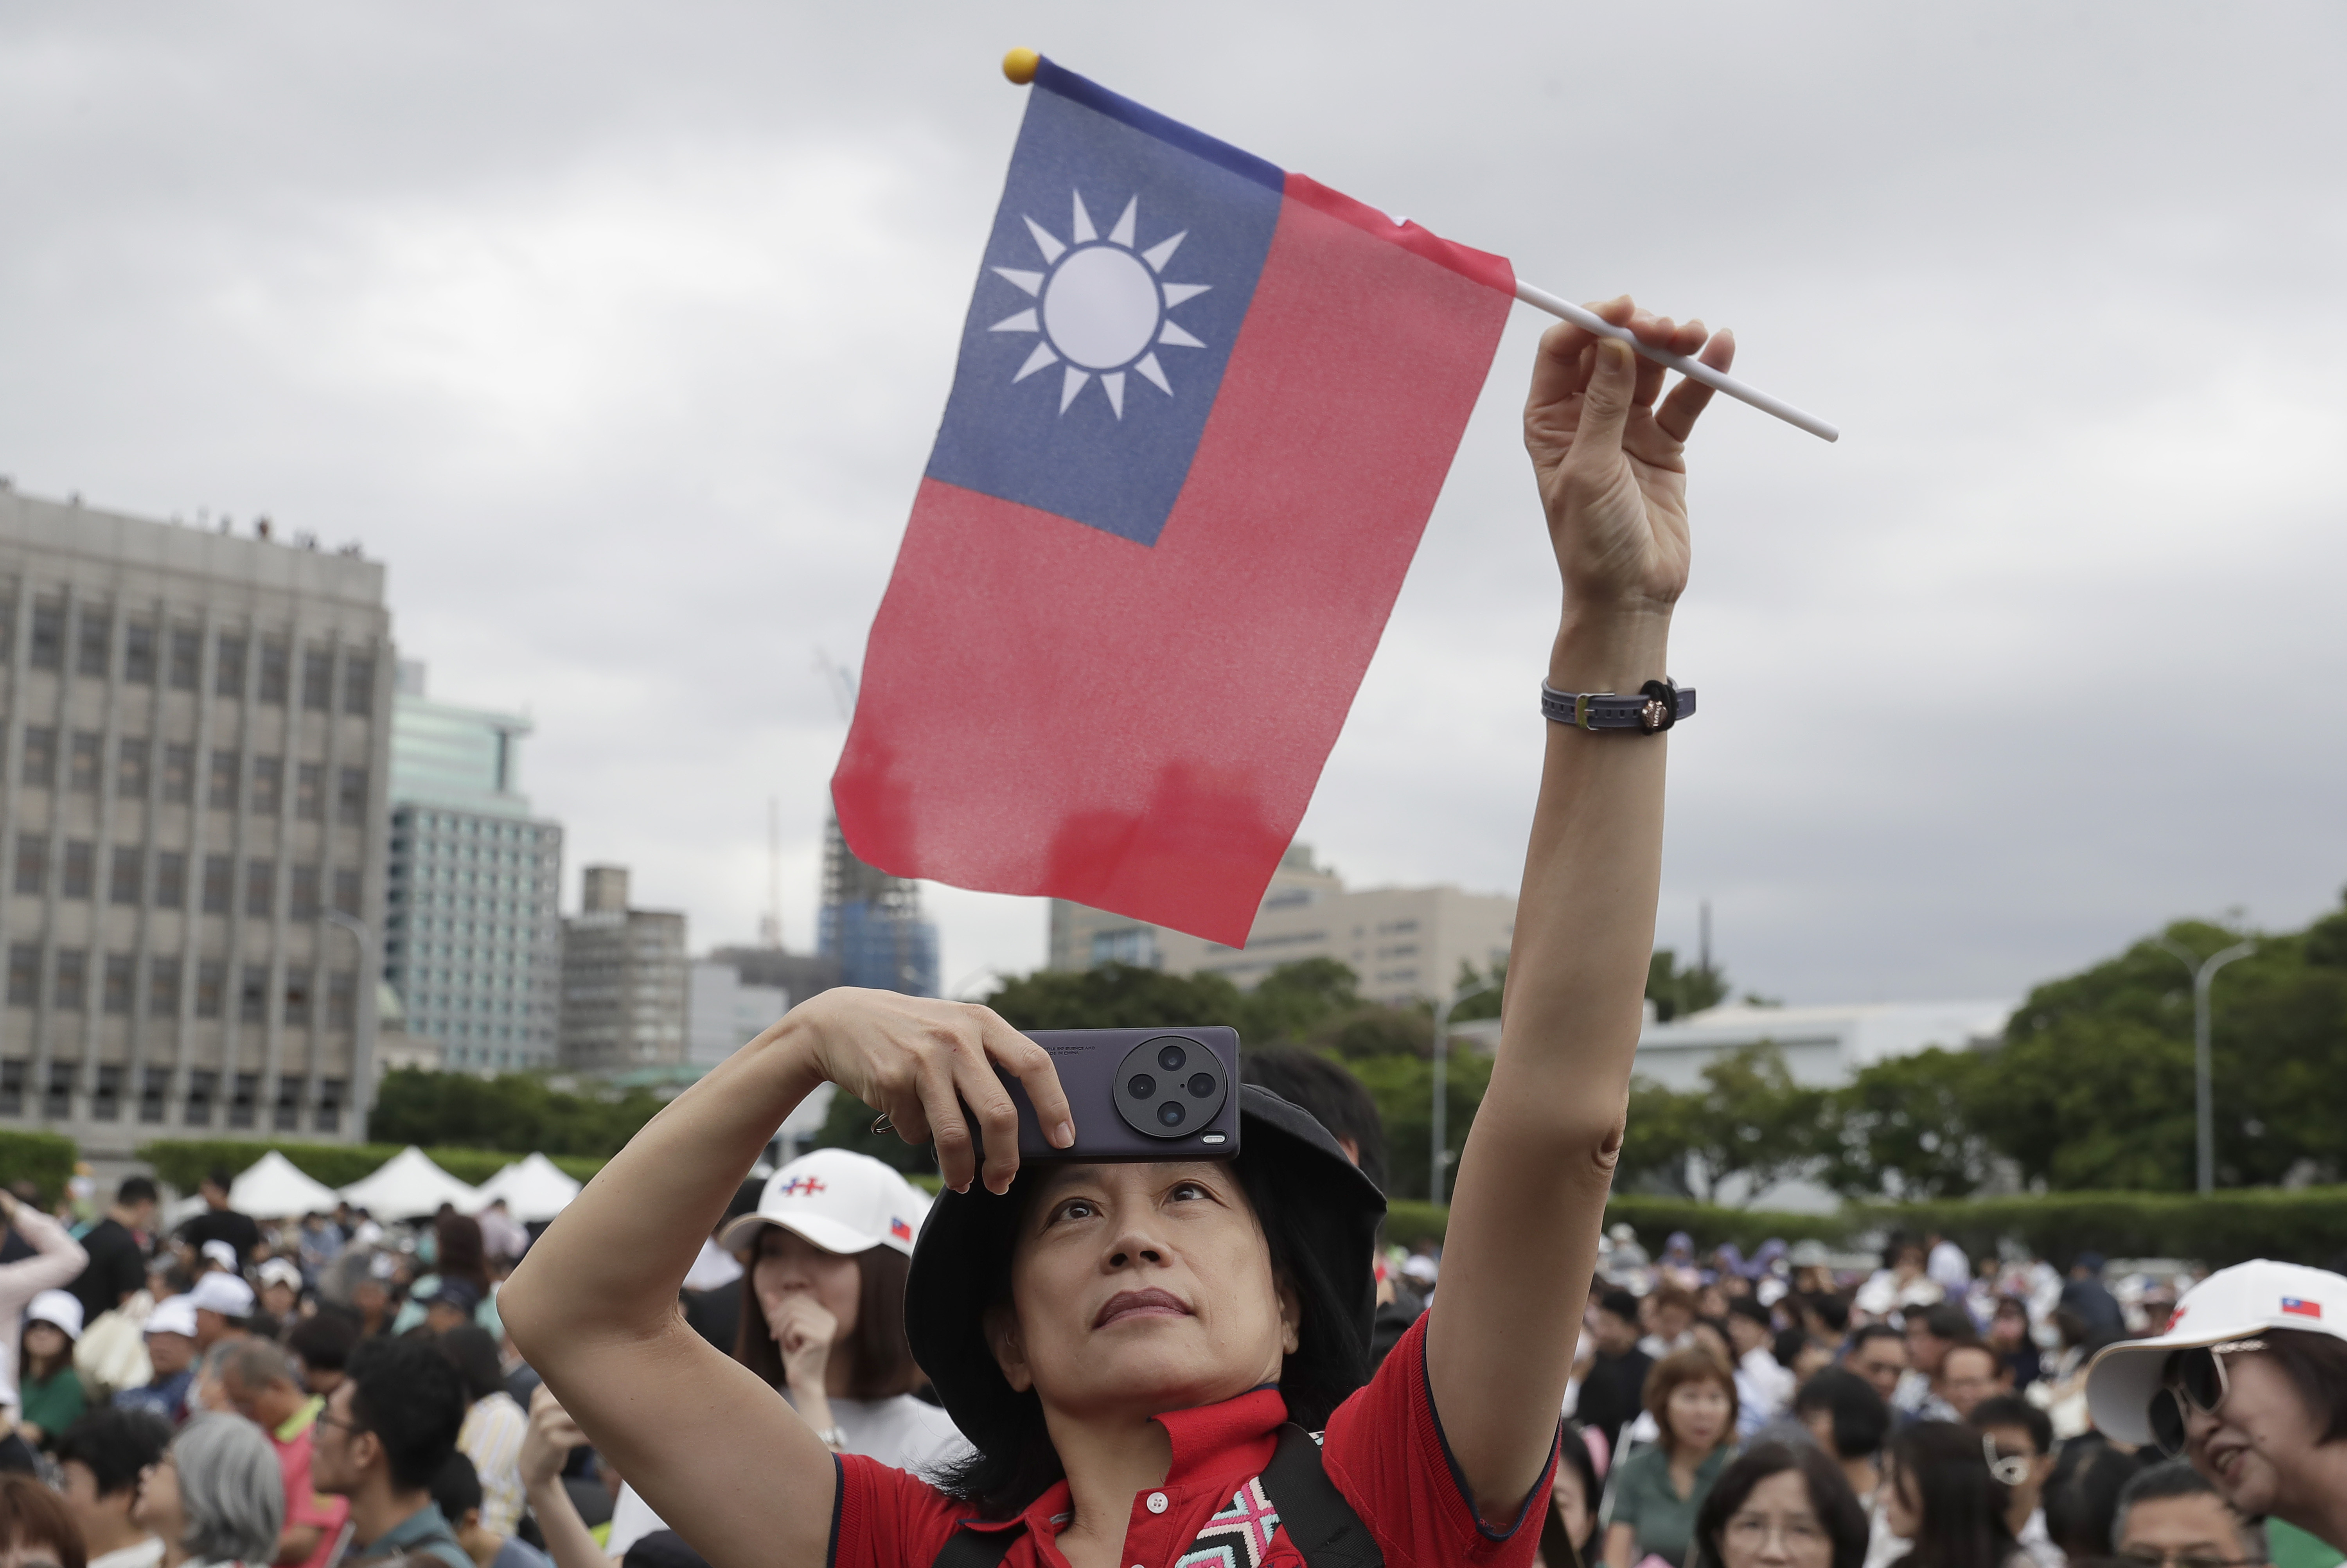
(1227, 1441)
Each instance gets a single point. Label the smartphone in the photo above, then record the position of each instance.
(1138, 1093)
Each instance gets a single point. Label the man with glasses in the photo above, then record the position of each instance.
(382, 1437)
(2250, 1383)
(2170, 1517)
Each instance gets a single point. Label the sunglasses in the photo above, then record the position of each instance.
(2196, 1380)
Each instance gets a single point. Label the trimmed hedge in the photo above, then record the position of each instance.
(1709, 1224)
(2305, 1226)
(185, 1162)
(45, 1159)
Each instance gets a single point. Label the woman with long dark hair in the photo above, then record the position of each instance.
(1780, 1504)
(1568, 1537)
(1939, 1493)
(1128, 1343)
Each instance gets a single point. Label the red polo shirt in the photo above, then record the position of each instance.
(1384, 1450)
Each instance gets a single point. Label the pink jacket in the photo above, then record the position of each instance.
(59, 1261)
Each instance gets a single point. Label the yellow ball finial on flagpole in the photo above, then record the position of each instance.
(1019, 64)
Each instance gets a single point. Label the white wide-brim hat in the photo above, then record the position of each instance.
(172, 1315)
(222, 1293)
(841, 1201)
(61, 1307)
(2237, 1303)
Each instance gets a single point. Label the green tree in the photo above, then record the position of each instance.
(848, 1125)
(1403, 1087)
(1749, 1123)
(1674, 991)
(1907, 1128)
(1118, 996)
(510, 1110)
(1486, 1002)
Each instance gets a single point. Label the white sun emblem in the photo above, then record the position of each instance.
(1099, 307)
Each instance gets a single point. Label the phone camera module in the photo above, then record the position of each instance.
(1171, 1088)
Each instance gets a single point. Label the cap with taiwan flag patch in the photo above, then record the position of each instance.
(2243, 1302)
(842, 1202)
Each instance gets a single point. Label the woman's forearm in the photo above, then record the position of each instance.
(568, 1541)
(610, 1267)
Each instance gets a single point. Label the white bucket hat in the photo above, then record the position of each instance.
(172, 1315)
(841, 1201)
(60, 1308)
(222, 1293)
(2237, 1303)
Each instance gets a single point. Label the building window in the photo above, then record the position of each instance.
(310, 791)
(242, 1100)
(123, 878)
(220, 884)
(297, 1000)
(106, 1104)
(171, 879)
(96, 655)
(57, 1102)
(115, 997)
(347, 891)
(179, 773)
(131, 754)
(1135, 945)
(154, 1089)
(252, 1001)
(260, 887)
(138, 653)
(288, 1114)
(49, 636)
(330, 1104)
(40, 756)
(187, 662)
(302, 902)
(24, 974)
(228, 671)
(276, 671)
(211, 980)
(268, 785)
(162, 988)
(72, 993)
(12, 1087)
(358, 685)
(202, 1086)
(81, 858)
(350, 803)
(32, 863)
(341, 999)
(318, 678)
(81, 772)
(222, 794)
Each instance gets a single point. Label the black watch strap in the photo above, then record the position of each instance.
(1650, 710)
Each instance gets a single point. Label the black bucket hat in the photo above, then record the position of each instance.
(1319, 1212)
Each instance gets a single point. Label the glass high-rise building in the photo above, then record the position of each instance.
(473, 939)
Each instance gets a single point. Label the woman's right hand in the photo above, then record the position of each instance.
(928, 1066)
(547, 1441)
(804, 1330)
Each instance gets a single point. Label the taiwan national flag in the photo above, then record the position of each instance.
(1203, 409)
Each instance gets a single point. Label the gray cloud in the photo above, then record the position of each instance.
(621, 333)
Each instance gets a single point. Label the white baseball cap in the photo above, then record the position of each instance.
(222, 1293)
(280, 1271)
(61, 1307)
(172, 1315)
(220, 1252)
(841, 1201)
(2237, 1303)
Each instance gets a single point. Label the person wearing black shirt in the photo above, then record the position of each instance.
(1614, 1389)
(221, 1223)
(118, 1253)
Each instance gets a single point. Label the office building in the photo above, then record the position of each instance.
(192, 805)
(724, 1012)
(1404, 944)
(870, 922)
(623, 982)
(473, 934)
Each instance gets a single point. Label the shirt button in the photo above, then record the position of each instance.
(1156, 1502)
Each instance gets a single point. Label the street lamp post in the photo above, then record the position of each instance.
(1437, 1158)
(2204, 1108)
(364, 1019)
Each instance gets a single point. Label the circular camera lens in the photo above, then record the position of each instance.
(1170, 1113)
(1141, 1086)
(1171, 1058)
(1201, 1085)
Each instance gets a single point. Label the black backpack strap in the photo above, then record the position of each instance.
(976, 1549)
(1318, 1520)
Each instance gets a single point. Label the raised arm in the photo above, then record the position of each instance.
(57, 1260)
(593, 1308)
(1532, 1180)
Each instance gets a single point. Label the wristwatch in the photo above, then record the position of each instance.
(1650, 710)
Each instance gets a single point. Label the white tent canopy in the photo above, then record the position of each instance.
(534, 1189)
(273, 1188)
(409, 1185)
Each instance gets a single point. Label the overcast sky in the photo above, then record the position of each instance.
(621, 332)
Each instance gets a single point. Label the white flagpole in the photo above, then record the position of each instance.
(1719, 380)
